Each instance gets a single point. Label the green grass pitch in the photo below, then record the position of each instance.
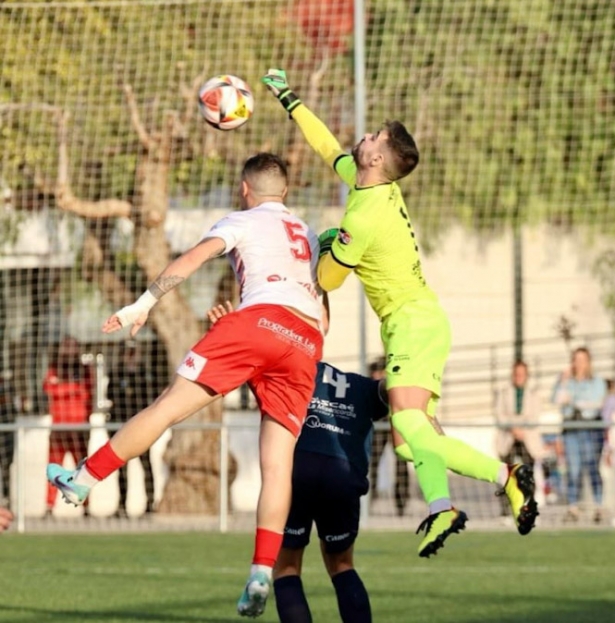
(546, 577)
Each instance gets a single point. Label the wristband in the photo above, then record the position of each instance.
(127, 315)
(289, 100)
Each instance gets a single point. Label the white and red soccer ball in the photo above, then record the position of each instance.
(226, 102)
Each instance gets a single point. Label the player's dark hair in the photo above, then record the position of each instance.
(378, 365)
(404, 152)
(264, 162)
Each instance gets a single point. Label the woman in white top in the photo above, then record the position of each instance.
(580, 396)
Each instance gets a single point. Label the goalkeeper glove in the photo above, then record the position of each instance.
(326, 240)
(275, 81)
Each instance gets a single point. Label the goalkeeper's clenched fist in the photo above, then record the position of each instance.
(275, 81)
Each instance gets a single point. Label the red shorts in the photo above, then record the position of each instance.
(266, 346)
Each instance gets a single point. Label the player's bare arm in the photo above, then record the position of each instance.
(175, 273)
(162, 285)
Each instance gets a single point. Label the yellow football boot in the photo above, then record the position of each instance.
(519, 489)
(438, 527)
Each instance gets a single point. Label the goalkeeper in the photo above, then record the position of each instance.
(376, 240)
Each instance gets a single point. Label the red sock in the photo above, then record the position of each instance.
(266, 547)
(104, 462)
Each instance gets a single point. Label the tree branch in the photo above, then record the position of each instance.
(189, 94)
(135, 118)
(65, 199)
(7, 108)
(106, 208)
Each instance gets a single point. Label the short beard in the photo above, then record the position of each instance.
(355, 152)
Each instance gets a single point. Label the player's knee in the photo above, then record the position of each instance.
(285, 570)
(338, 562)
(274, 473)
(288, 563)
(409, 421)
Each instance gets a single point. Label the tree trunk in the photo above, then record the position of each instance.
(193, 456)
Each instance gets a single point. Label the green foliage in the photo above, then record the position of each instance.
(512, 102)
(604, 270)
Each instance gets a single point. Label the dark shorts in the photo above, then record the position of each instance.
(326, 491)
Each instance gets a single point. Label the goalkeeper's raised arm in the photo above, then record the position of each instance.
(319, 137)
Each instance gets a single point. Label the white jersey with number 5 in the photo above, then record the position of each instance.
(274, 255)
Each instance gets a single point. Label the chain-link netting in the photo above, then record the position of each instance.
(107, 170)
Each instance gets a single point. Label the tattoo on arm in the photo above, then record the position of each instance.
(165, 283)
(162, 285)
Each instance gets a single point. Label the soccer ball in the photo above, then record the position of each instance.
(226, 102)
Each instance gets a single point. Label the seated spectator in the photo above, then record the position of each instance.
(68, 386)
(581, 395)
(518, 408)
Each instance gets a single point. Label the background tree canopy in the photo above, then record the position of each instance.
(512, 101)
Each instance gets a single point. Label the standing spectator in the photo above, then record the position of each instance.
(130, 390)
(608, 407)
(68, 386)
(380, 440)
(518, 408)
(580, 396)
(7, 438)
(608, 416)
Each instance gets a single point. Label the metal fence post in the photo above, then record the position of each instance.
(224, 477)
(20, 479)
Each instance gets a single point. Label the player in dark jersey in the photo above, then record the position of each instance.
(330, 470)
(329, 478)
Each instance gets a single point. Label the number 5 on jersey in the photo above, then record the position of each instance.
(300, 246)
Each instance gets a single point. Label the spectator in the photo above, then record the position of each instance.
(580, 396)
(68, 386)
(608, 416)
(6, 517)
(608, 408)
(554, 467)
(130, 390)
(380, 440)
(518, 408)
(7, 438)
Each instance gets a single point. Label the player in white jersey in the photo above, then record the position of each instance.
(260, 240)
(272, 342)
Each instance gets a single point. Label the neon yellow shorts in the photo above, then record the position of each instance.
(417, 341)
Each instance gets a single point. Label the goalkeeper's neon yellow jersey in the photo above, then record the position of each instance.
(376, 236)
(377, 240)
